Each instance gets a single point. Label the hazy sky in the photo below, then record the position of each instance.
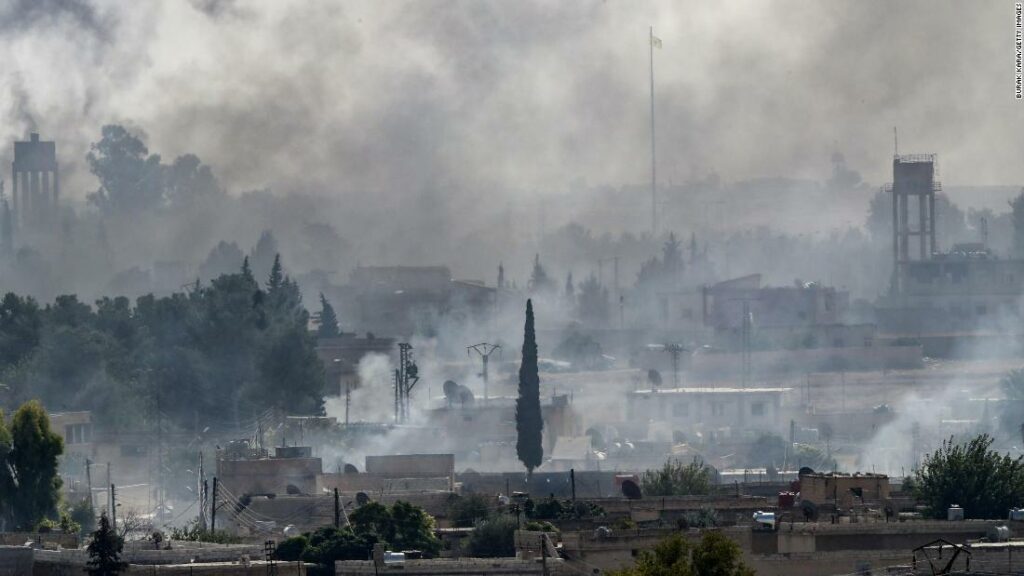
(386, 96)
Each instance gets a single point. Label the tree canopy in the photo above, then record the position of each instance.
(28, 467)
(677, 479)
(714, 555)
(105, 551)
(983, 482)
(230, 348)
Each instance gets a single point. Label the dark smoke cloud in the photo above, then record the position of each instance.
(439, 114)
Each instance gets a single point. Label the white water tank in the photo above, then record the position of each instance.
(954, 513)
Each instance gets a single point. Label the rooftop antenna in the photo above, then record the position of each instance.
(484, 350)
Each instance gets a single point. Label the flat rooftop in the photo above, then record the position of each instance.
(716, 390)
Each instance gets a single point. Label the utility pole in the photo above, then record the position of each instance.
(348, 400)
(201, 489)
(675, 350)
(484, 350)
(406, 377)
(88, 481)
(113, 507)
(654, 179)
(337, 509)
(213, 508)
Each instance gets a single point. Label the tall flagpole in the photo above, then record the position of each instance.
(654, 185)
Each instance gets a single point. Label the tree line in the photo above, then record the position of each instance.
(214, 354)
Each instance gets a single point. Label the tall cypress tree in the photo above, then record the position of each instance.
(328, 319)
(529, 421)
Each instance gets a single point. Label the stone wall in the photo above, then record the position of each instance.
(461, 567)
(412, 465)
(46, 539)
(15, 560)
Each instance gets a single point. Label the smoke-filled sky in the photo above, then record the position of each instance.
(378, 97)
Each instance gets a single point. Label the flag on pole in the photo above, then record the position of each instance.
(655, 41)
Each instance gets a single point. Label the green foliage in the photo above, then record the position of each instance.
(403, 526)
(32, 461)
(703, 518)
(494, 538)
(540, 526)
(466, 511)
(772, 450)
(592, 306)
(328, 545)
(291, 549)
(529, 420)
(677, 479)
(553, 509)
(105, 551)
(714, 555)
(132, 180)
(328, 320)
(979, 479)
(228, 350)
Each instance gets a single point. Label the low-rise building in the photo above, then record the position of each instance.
(725, 411)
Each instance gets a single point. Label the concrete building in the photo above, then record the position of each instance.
(487, 430)
(341, 356)
(844, 491)
(401, 300)
(722, 412)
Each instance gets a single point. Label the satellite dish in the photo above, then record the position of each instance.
(351, 469)
(362, 499)
(630, 490)
(451, 391)
(806, 470)
(654, 377)
(466, 396)
(810, 510)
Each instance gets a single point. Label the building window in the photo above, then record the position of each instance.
(757, 409)
(78, 433)
(681, 409)
(718, 408)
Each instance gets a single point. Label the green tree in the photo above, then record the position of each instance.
(465, 511)
(404, 526)
(539, 279)
(328, 320)
(33, 460)
(677, 479)
(493, 537)
(105, 551)
(131, 179)
(979, 479)
(714, 555)
(20, 327)
(717, 555)
(593, 302)
(529, 420)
